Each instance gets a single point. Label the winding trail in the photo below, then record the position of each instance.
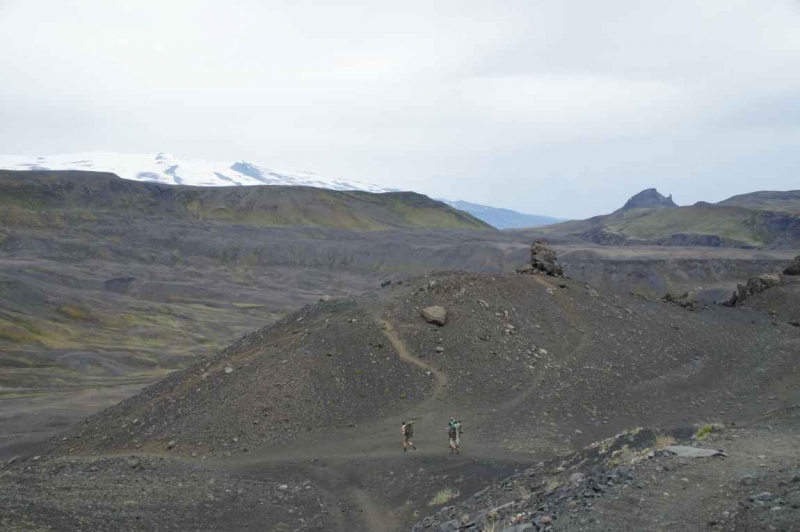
(400, 346)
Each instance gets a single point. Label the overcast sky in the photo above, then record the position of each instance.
(564, 108)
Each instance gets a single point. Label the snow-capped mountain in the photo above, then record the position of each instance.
(167, 169)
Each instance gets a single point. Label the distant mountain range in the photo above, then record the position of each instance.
(768, 219)
(502, 218)
(168, 169)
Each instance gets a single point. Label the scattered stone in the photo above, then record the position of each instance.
(692, 452)
(386, 283)
(436, 315)
(577, 478)
(749, 480)
(483, 303)
(171, 444)
(439, 349)
(449, 526)
(755, 285)
(684, 300)
(763, 497)
(325, 299)
(283, 487)
(794, 267)
(228, 369)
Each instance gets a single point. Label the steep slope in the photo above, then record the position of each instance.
(46, 198)
(502, 218)
(651, 219)
(535, 368)
(616, 359)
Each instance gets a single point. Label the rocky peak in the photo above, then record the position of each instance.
(648, 199)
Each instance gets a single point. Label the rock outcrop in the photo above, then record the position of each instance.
(684, 300)
(755, 285)
(543, 261)
(649, 199)
(794, 267)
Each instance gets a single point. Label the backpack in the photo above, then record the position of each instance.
(451, 431)
(409, 429)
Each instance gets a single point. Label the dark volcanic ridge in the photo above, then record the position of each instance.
(622, 362)
(308, 410)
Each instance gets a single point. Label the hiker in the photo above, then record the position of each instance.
(454, 434)
(407, 431)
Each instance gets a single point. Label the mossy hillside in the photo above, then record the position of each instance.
(55, 199)
(144, 340)
(732, 224)
(727, 222)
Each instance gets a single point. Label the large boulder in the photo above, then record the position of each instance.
(436, 315)
(794, 267)
(755, 285)
(544, 260)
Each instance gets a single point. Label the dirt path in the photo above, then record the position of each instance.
(399, 346)
(375, 519)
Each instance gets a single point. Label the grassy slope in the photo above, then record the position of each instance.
(646, 224)
(56, 199)
(748, 226)
(788, 201)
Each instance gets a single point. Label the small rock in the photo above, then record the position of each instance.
(449, 526)
(439, 349)
(228, 369)
(577, 478)
(171, 444)
(283, 487)
(763, 497)
(436, 315)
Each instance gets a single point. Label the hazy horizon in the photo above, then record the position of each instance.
(561, 110)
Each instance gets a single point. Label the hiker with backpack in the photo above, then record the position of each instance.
(454, 434)
(407, 431)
